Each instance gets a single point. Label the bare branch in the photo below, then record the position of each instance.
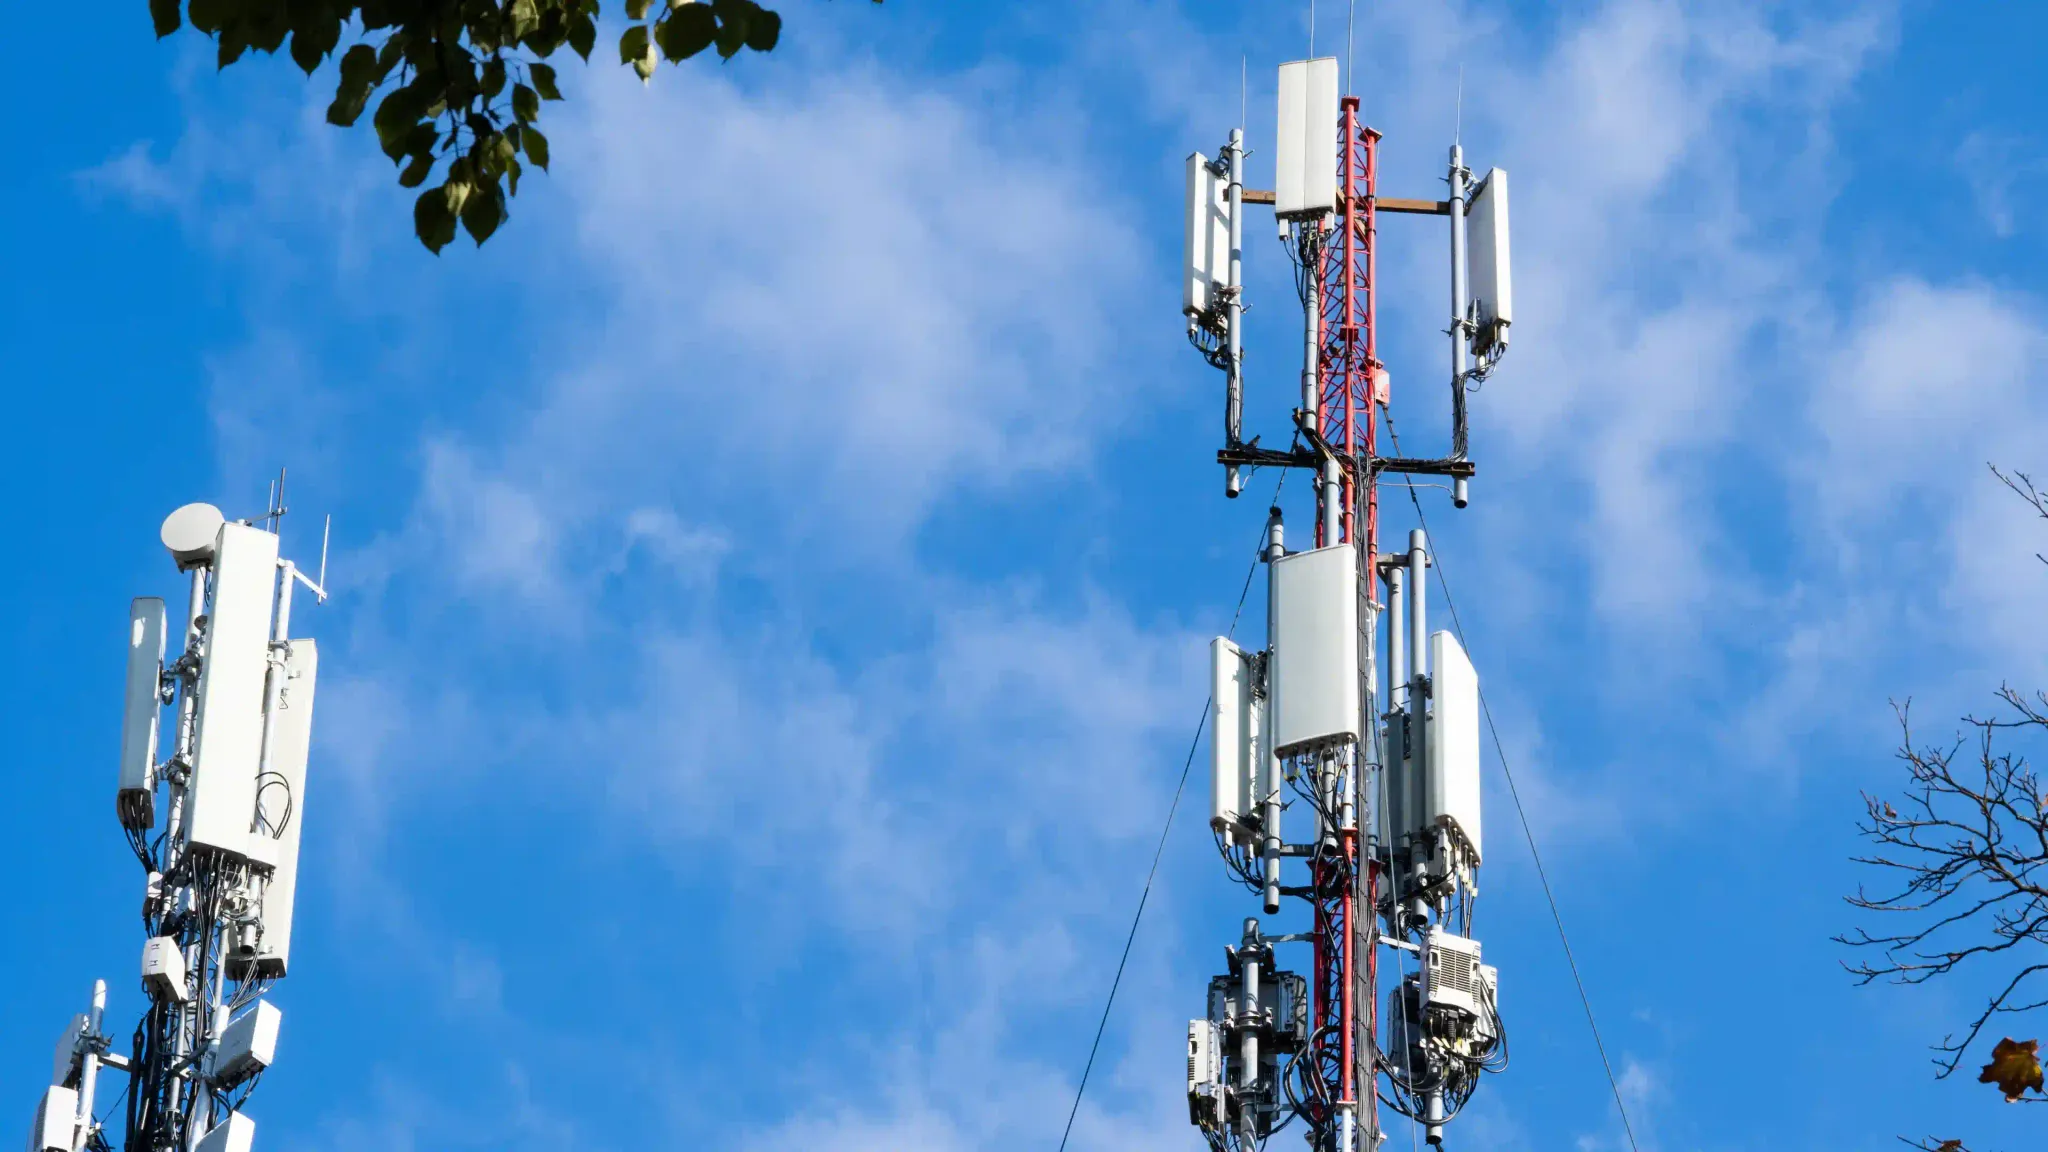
(1967, 844)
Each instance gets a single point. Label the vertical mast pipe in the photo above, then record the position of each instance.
(1418, 649)
(1233, 308)
(1460, 300)
(1269, 786)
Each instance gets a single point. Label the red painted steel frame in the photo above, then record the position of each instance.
(1347, 370)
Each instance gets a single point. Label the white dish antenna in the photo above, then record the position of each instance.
(190, 533)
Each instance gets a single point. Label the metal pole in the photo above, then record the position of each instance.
(1418, 627)
(1269, 799)
(1415, 726)
(1233, 308)
(184, 1041)
(1332, 503)
(273, 685)
(1311, 326)
(1397, 646)
(89, 1069)
(1248, 1036)
(1461, 329)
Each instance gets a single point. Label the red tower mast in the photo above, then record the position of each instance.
(1349, 376)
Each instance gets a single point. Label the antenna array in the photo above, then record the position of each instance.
(1390, 776)
(221, 863)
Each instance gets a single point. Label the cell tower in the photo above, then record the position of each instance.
(1388, 851)
(222, 861)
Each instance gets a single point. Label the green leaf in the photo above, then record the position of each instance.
(635, 49)
(494, 77)
(583, 35)
(208, 15)
(313, 37)
(233, 42)
(543, 78)
(395, 118)
(267, 26)
(165, 13)
(421, 141)
(536, 145)
(358, 76)
(764, 30)
(633, 45)
(525, 104)
(525, 18)
(512, 171)
(388, 55)
(432, 220)
(417, 171)
(686, 31)
(498, 152)
(483, 212)
(553, 30)
(732, 36)
(636, 9)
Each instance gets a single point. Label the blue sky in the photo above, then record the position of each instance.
(773, 575)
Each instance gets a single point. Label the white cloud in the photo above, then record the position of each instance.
(1999, 169)
(838, 303)
(1928, 385)
(1651, 287)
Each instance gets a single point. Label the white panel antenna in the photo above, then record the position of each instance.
(231, 689)
(142, 713)
(1205, 1074)
(281, 805)
(1305, 150)
(64, 1064)
(1493, 298)
(236, 1133)
(56, 1121)
(1314, 669)
(1207, 248)
(1453, 788)
(1234, 724)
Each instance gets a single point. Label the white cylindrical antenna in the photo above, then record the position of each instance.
(1418, 605)
(1311, 346)
(326, 529)
(189, 533)
(89, 1067)
(1269, 788)
(1397, 640)
(1333, 501)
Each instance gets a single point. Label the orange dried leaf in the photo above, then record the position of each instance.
(2014, 1068)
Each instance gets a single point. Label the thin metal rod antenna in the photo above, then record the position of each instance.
(1311, 29)
(1350, 42)
(326, 529)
